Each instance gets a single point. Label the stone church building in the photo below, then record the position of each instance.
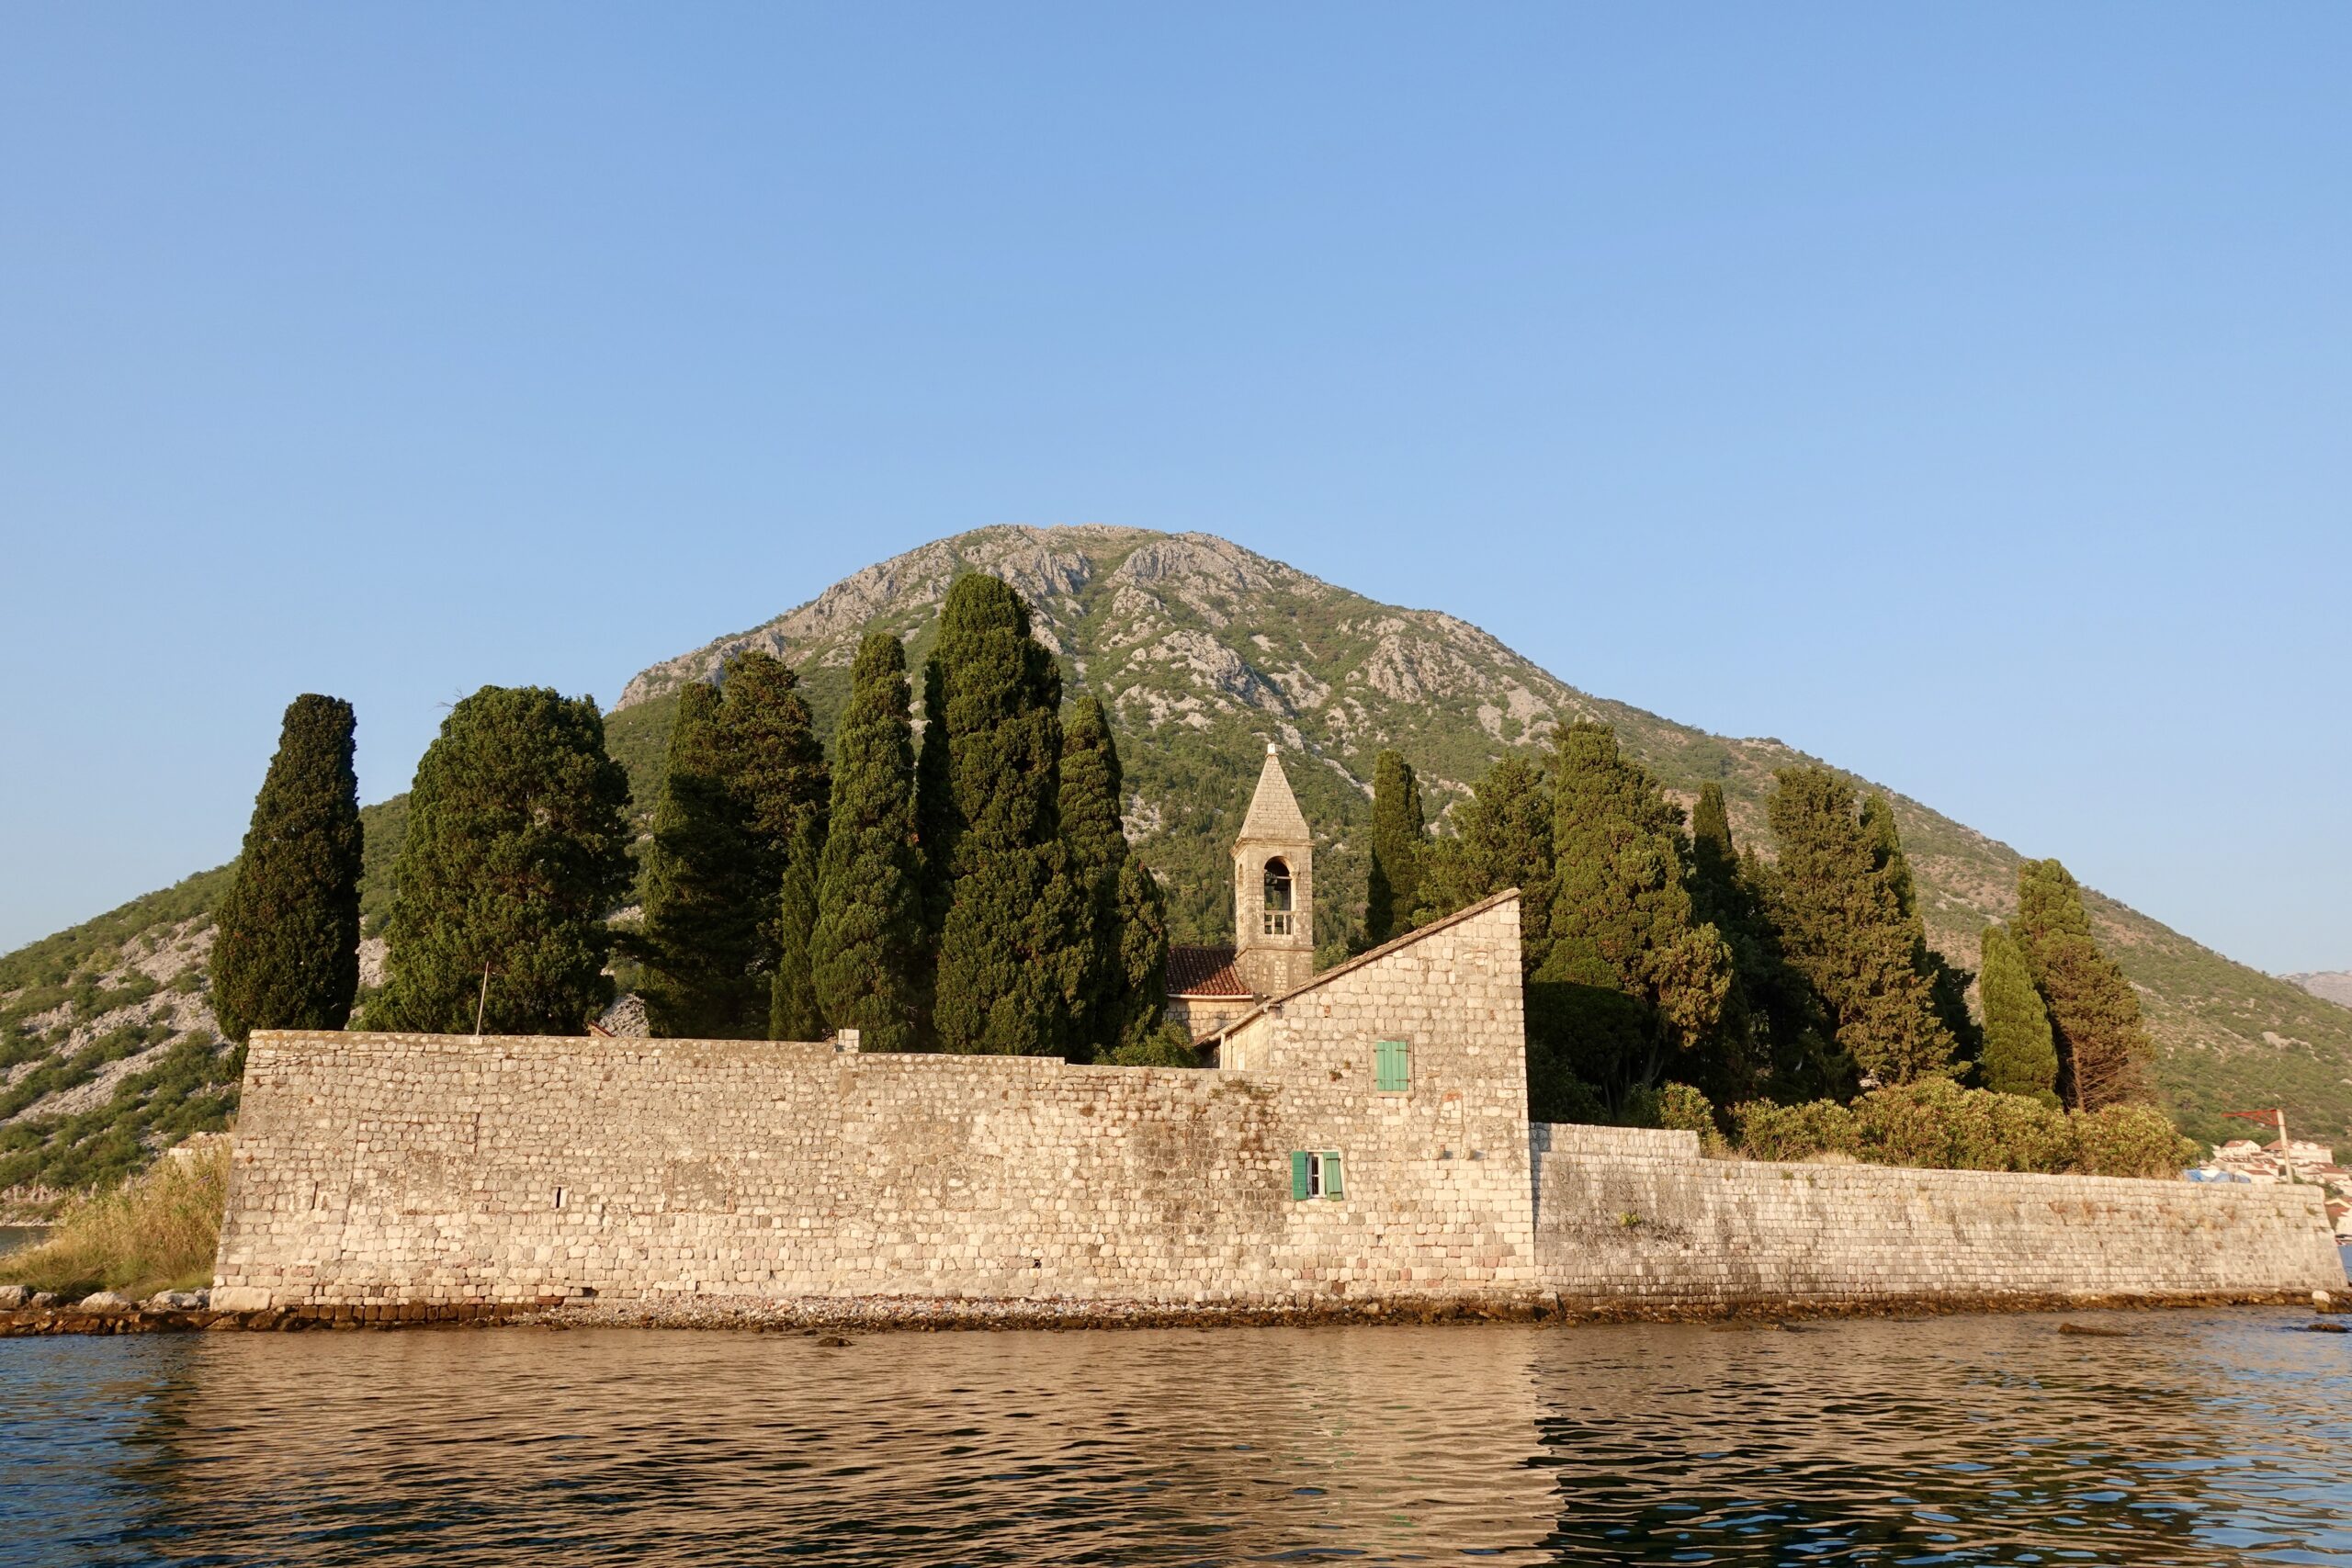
(1209, 989)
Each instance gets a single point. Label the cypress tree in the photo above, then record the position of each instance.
(793, 1009)
(778, 779)
(1013, 948)
(867, 953)
(1836, 900)
(1398, 834)
(1502, 838)
(2103, 1050)
(1141, 980)
(285, 952)
(1097, 841)
(935, 821)
(1946, 981)
(518, 850)
(701, 937)
(1634, 979)
(2020, 1052)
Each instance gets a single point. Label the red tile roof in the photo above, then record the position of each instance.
(1203, 971)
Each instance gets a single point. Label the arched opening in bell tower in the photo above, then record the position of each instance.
(1278, 897)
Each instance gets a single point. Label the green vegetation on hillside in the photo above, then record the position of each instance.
(1203, 653)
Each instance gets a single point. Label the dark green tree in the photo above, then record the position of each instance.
(1142, 976)
(2020, 1052)
(1014, 946)
(1946, 981)
(2103, 1049)
(1837, 902)
(1502, 838)
(285, 952)
(704, 903)
(1635, 980)
(868, 950)
(1400, 833)
(935, 820)
(776, 776)
(517, 852)
(794, 1013)
(1774, 1035)
(1097, 843)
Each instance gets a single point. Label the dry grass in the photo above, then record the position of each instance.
(157, 1232)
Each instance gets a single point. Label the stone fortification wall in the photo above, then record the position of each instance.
(1636, 1220)
(374, 1168)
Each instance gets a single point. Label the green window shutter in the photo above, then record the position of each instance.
(1392, 1067)
(1332, 1187)
(1298, 1173)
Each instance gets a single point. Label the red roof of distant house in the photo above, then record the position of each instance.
(1203, 971)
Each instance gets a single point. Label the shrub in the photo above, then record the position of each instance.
(1168, 1046)
(2131, 1140)
(1935, 1124)
(1795, 1131)
(157, 1232)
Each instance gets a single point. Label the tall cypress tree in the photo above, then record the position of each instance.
(2103, 1050)
(1502, 838)
(1837, 902)
(776, 775)
(285, 952)
(868, 949)
(1097, 841)
(704, 903)
(517, 852)
(1012, 949)
(1398, 834)
(1775, 1034)
(794, 1013)
(1141, 979)
(1634, 979)
(1946, 981)
(2020, 1052)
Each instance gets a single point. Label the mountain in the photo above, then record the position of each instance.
(2331, 985)
(1205, 651)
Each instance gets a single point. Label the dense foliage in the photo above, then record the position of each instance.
(1014, 946)
(1936, 1124)
(700, 934)
(1634, 981)
(867, 948)
(2021, 1052)
(516, 853)
(2103, 1052)
(286, 954)
(1841, 902)
(1399, 831)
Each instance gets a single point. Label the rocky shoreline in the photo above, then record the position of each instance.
(23, 1315)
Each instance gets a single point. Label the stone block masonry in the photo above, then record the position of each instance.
(1635, 1221)
(1364, 1141)
(383, 1168)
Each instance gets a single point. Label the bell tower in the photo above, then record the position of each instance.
(1273, 888)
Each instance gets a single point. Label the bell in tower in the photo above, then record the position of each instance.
(1273, 888)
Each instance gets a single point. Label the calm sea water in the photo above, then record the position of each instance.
(2218, 1436)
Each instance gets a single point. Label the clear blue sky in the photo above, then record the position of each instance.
(1961, 393)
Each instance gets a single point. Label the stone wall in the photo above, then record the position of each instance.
(435, 1168)
(439, 1170)
(1628, 1219)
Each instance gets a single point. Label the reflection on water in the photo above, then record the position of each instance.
(2204, 1437)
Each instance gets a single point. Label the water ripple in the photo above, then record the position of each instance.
(2204, 1438)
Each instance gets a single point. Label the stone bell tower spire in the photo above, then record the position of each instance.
(1273, 888)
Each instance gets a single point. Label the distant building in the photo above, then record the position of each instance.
(1273, 917)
